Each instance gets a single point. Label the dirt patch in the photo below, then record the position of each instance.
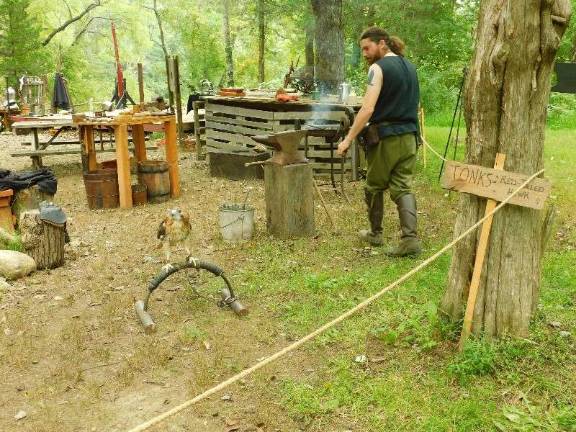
(72, 354)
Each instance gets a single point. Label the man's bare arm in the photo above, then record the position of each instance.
(374, 85)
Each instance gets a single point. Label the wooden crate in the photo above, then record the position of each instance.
(234, 123)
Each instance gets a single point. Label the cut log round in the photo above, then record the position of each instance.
(42, 240)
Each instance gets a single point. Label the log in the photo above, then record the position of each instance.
(289, 200)
(41, 240)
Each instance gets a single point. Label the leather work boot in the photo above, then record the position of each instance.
(375, 206)
(409, 243)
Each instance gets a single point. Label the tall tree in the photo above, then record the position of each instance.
(229, 75)
(309, 48)
(261, 39)
(506, 95)
(20, 47)
(329, 42)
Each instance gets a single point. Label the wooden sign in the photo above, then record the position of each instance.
(495, 184)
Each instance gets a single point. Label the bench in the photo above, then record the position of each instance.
(44, 144)
(37, 155)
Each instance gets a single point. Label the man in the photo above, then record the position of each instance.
(391, 103)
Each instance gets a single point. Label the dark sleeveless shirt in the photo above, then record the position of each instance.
(397, 104)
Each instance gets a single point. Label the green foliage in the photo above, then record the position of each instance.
(562, 111)
(527, 417)
(191, 333)
(422, 328)
(15, 245)
(21, 51)
(476, 359)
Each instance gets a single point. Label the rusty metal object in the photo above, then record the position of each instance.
(285, 146)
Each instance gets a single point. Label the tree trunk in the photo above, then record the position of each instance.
(507, 91)
(228, 45)
(309, 49)
(329, 41)
(42, 241)
(289, 198)
(261, 40)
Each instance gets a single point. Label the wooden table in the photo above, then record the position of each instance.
(35, 126)
(120, 125)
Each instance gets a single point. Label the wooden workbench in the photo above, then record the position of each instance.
(120, 124)
(232, 121)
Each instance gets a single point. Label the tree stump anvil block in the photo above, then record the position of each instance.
(289, 200)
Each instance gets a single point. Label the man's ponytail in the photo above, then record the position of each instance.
(394, 43)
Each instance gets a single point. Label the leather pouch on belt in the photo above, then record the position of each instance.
(369, 136)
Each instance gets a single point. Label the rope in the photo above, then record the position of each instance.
(433, 151)
(146, 425)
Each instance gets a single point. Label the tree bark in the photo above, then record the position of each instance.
(289, 196)
(309, 49)
(506, 94)
(228, 44)
(329, 42)
(42, 241)
(261, 40)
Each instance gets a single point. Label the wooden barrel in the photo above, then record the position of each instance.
(154, 174)
(102, 189)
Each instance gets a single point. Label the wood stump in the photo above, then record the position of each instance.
(42, 240)
(289, 200)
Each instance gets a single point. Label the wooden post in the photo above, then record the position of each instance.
(422, 133)
(139, 140)
(289, 200)
(199, 154)
(123, 163)
(171, 149)
(88, 140)
(168, 80)
(177, 98)
(41, 240)
(141, 83)
(479, 262)
(36, 160)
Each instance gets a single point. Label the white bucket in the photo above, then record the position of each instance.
(236, 222)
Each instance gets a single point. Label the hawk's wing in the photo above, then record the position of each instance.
(186, 222)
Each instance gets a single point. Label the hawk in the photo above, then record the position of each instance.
(174, 229)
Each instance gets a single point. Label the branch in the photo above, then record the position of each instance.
(69, 9)
(83, 31)
(162, 41)
(71, 20)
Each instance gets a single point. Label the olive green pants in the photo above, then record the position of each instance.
(391, 165)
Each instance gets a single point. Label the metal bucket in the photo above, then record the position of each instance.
(236, 222)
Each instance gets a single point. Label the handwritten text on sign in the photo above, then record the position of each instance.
(495, 184)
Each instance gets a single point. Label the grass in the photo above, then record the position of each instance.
(420, 381)
(415, 378)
